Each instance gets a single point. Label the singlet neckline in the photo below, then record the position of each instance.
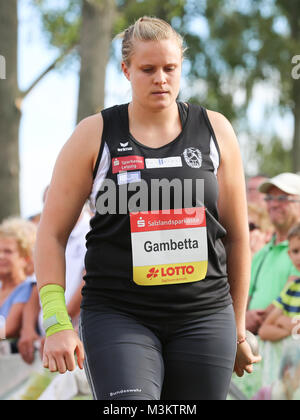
(185, 124)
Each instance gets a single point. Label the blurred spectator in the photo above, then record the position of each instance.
(253, 194)
(260, 227)
(271, 266)
(284, 319)
(17, 238)
(32, 329)
(287, 386)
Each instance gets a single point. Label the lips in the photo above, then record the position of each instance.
(160, 92)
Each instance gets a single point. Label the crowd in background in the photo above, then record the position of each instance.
(274, 297)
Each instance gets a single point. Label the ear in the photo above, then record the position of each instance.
(27, 265)
(126, 71)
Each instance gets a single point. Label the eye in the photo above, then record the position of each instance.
(169, 69)
(147, 70)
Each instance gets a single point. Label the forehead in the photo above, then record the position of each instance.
(255, 182)
(8, 242)
(294, 242)
(156, 52)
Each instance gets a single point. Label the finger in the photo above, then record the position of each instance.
(61, 364)
(80, 354)
(239, 372)
(70, 361)
(249, 368)
(28, 353)
(52, 364)
(256, 359)
(45, 361)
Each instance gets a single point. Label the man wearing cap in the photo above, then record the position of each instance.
(271, 266)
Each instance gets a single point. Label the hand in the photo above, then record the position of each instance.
(26, 345)
(258, 239)
(254, 320)
(59, 349)
(244, 359)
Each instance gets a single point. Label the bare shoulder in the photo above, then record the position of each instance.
(223, 130)
(86, 137)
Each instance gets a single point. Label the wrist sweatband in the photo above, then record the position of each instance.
(53, 303)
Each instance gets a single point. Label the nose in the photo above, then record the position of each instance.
(160, 77)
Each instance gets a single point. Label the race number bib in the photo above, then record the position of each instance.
(169, 247)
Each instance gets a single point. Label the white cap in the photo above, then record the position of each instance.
(287, 182)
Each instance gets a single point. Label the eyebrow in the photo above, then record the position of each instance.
(154, 65)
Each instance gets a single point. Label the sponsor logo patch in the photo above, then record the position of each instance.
(129, 177)
(127, 163)
(124, 147)
(169, 162)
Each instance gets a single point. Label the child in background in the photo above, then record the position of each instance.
(284, 319)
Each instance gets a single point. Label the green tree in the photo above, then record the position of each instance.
(272, 158)
(247, 42)
(80, 30)
(9, 112)
(11, 98)
(87, 27)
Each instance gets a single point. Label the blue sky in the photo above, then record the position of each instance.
(49, 111)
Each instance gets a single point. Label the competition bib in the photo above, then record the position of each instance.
(169, 248)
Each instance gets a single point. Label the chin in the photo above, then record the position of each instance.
(161, 103)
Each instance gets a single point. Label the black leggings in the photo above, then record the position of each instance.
(126, 359)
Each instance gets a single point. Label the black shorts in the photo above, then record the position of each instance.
(130, 359)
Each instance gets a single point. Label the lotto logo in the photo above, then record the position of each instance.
(152, 273)
(170, 271)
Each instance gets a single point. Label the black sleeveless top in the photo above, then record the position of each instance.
(162, 266)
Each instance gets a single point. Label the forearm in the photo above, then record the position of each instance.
(272, 333)
(50, 264)
(238, 268)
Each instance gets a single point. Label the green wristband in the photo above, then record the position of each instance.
(54, 307)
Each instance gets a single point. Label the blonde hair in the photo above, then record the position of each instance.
(261, 217)
(147, 29)
(23, 231)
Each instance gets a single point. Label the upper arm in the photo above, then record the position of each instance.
(72, 179)
(232, 202)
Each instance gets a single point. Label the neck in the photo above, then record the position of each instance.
(280, 236)
(152, 117)
(282, 231)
